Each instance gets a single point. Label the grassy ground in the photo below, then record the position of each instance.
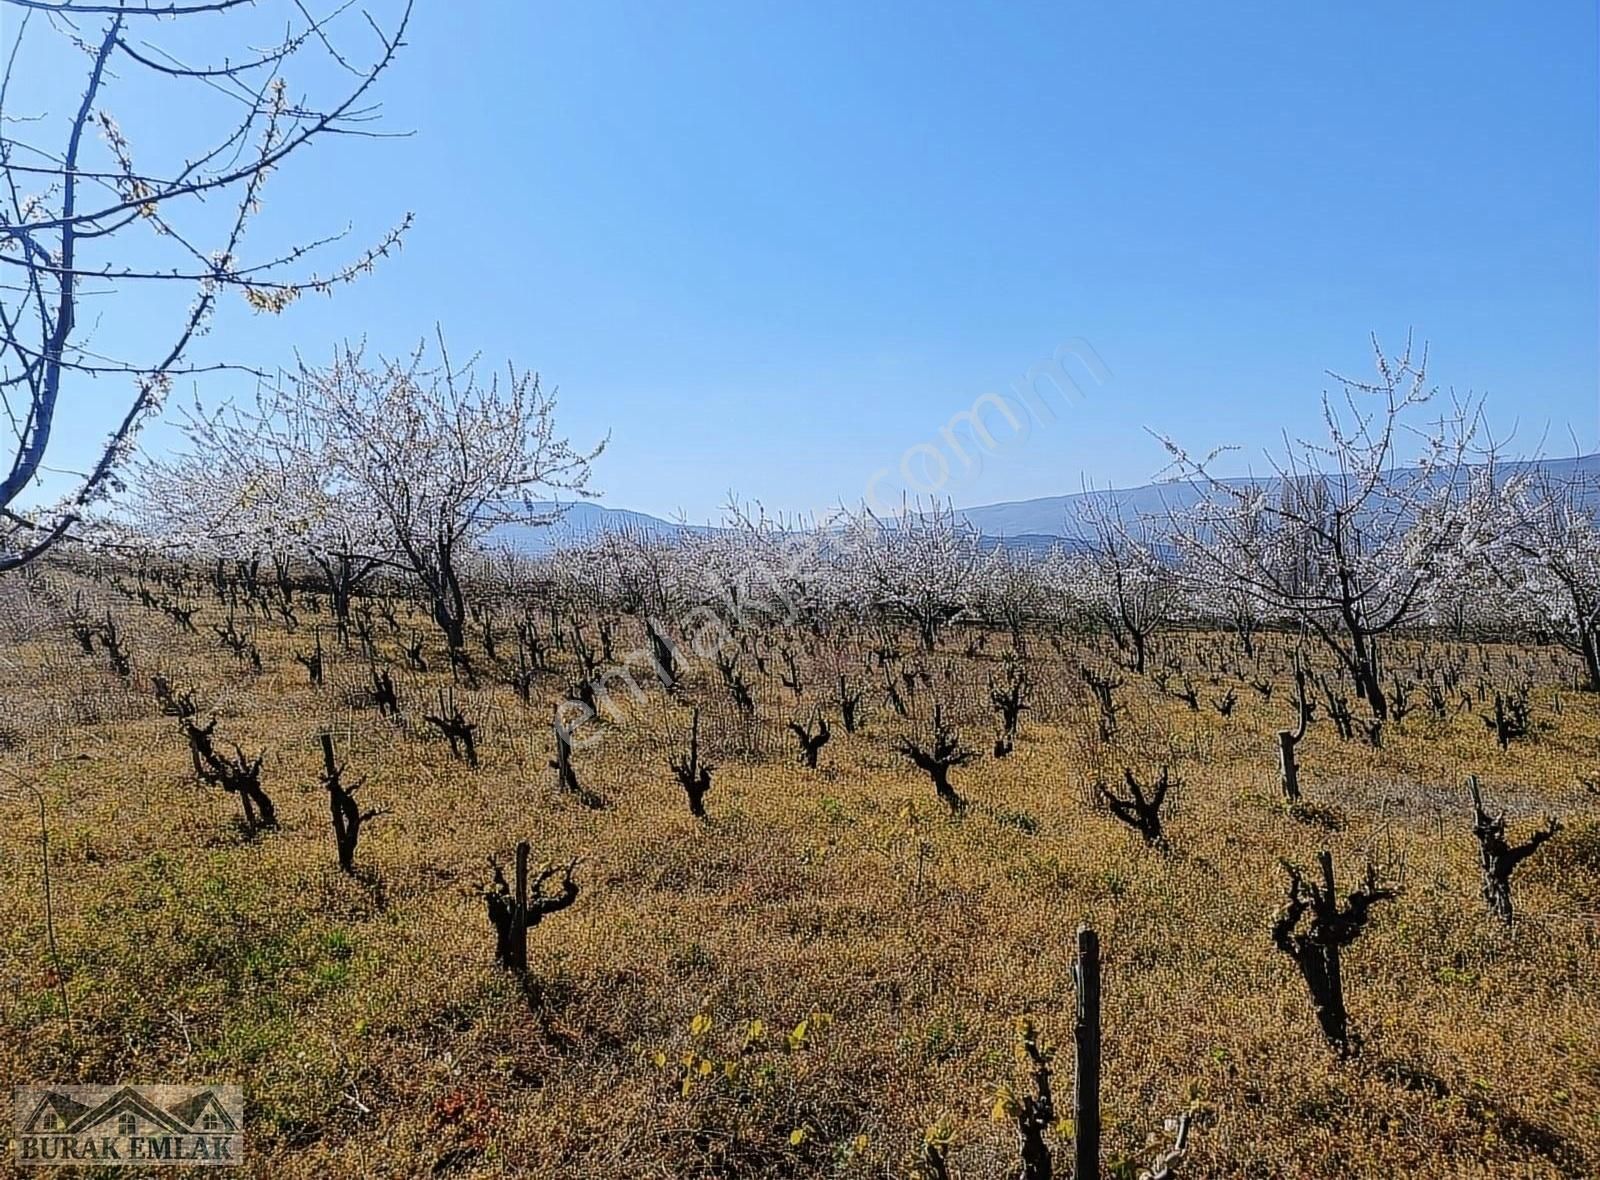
(376, 1037)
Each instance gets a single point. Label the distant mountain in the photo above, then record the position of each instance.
(1064, 516)
(1030, 526)
(582, 521)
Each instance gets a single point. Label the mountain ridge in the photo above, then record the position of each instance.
(1030, 525)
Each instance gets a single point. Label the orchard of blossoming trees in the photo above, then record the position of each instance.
(749, 850)
(1252, 835)
(391, 471)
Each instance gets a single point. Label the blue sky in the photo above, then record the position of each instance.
(771, 248)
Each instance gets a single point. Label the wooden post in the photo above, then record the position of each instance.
(1288, 770)
(1086, 1075)
(562, 764)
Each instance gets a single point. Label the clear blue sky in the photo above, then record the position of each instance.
(770, 247)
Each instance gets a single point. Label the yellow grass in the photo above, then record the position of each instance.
(375, 1037)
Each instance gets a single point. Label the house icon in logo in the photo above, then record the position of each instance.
(127, 1112)
(54, 1115)
(204, 1113)
(117, 1125)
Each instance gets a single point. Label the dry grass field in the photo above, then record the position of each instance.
(376, 1036)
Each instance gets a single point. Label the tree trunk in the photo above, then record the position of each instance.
(340, 576)
(449, 605)
(1288, 769)
(1590, 649)
(1364, 671)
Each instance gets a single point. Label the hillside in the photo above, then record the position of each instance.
(1026, 525)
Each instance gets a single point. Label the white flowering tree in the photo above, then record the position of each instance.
(265, 479)
(440, 457)
(365, 465)
(920, 565)
(645, 572)
(1341, 538)
(1129, 582)
(1548, 557)
(771, 568)
(1012, 591)
(85, 214)
(581, 575)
